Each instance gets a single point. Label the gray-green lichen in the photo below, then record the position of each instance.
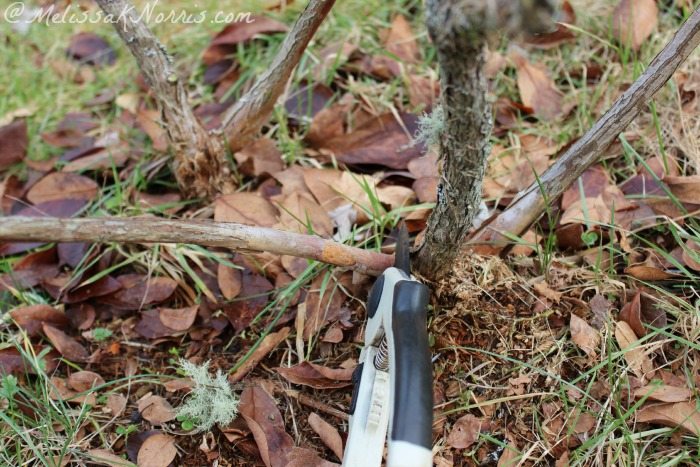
(430, 127)
(211, 401)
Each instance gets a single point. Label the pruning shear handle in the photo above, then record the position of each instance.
(393, 383)
(410, 439)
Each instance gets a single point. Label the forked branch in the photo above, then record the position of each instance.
(200, 163)
(200, 158)
(212, 234)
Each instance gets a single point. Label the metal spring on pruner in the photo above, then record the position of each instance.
(381, 360)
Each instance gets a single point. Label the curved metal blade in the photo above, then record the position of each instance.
(402, 260)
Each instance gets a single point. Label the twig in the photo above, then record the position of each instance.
(243, 121)
(212, 234)
(268, 344)
(200, 163)
(530, 203)
(313, 403)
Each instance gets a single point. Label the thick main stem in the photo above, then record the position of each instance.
(213, 234)
(243, 121)
(459, 30)
(530, 203)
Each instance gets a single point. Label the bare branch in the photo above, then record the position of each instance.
(213, 234)
(243, 121)
(529, 204)
(200, 163)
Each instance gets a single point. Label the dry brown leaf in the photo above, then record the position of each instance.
(495, 62)
(87, 47)
(259, 158)
(238, 32)
(179, 384)
(303, 457)
(66, 345)
(583, 335)
(268, 344)
(679, 414)
(245, 208)
(138, 291)
(104, 158)
(116, 404)
(156, 409)
(663, 393)
(151, 123)
(380, 141)
(151, 327)
(648, 273)
(251, 300)
(584, 423)
(266, 423)
(30, 318)
(510, 456)
(13, 143)
(299, 212)
(396, 196)
(82, 381)
(328, 434)
(631, 314)
(305, 101)
(128, 101)
(330, 122)
(537, 90)
(333, 335)
(12, 115)
(600, 307)
(635, 356)
(634, 21)
(59, 390)
(165, 202)
(423, 91)
(71, 132)
(108, 458)
(686, 189)
(158, 450)
(229, 280)
(180, 319)
(589, 211)
(401, 41)
(12, 361)
(61, 186)
(426, 189)
(335, 188)
(594, 181)
(425, 166)
(543, 289)
(465, 431)
(316, 376)
(561, 34)
(324, 304)
(691, 255)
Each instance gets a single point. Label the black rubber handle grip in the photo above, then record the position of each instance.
(413, 388)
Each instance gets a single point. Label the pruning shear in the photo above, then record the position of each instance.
(393, 381)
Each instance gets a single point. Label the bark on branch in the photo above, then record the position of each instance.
(459, 30)
(200, 163)
(243, 121)
(529, 204)
(213, 234)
